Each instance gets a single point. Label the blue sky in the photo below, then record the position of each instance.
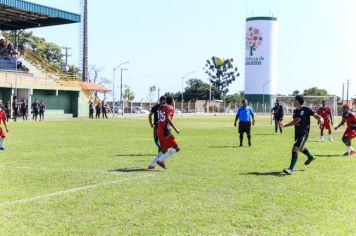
(164, 40)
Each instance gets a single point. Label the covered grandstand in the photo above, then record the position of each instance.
(26, 75)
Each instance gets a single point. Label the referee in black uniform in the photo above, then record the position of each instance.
(301, 122)
(155, 112)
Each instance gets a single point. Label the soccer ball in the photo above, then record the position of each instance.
(219, 61)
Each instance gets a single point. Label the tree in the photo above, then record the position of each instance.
(177, 96)
(199, 90)
(221, 73)
(295, 93)
(236, 97)
(49, 52)
(314, 91)
(151, 92)
(128, 94)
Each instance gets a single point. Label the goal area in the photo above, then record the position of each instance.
(313, 102)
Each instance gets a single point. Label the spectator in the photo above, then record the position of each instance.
(15, 108)
(35, 109)
(104, 107)
(98, 110)
(23, 108)
(7, 109)
(42, 108)
(91, 110)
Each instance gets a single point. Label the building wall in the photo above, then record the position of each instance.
(65, 102)
(5, 94)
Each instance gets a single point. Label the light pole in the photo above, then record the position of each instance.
(113, 86)
(181, 104)
(263, 94)
(122, 103)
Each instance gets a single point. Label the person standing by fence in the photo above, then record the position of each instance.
(42, 107)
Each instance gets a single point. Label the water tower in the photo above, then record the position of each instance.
(261, 60)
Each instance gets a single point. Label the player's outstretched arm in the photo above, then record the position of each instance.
(172, 125)
(319, 118)
(341, 123)
(287, 125)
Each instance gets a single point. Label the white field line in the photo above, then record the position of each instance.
(73, 190)
(60, 169)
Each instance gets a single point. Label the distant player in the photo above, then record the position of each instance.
(244, 114)
(155, 112)
(325, 112)
(3, 120)
(166, 139)
(277, 112)
(301, 122)
(15, 108)
(350, 119)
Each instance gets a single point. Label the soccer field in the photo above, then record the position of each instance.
(89, 177)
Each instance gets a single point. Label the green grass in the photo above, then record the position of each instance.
(89, 177)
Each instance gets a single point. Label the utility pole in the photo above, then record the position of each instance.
(343, 90)
(347, 91)
(158, 90)
(66, 55)
(85, 69)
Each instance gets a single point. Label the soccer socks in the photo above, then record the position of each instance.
(2, 142)
(153, 163)
(307, 153)
(349, 149)
(249, 140)
(241, 138)
(280, 129)
(294, 160)
(168, 154)
(330, 137)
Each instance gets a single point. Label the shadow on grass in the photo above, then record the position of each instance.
(131, 169)
(328, 155)
(272, 173)
(269, 134)
(224, 146)
(135, 155)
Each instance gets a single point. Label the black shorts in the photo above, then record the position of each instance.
(277, 119)
(300, 140)
(244, 127)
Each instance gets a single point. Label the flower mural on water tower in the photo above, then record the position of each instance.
(253, 39)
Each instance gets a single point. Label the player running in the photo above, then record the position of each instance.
(325, 112)
(166, 139)
(2, 119)
(277, 112)
(350, 119)
(301, 122)
(155, 112)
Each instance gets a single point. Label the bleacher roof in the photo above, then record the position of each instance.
(17, 14)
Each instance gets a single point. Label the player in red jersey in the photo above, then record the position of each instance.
(350, 119)
(325, 112)
(166, 139)
(2, 119)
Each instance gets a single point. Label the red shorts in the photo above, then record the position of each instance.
(167, 142)
(350, 134)
(2, 134)
(326, 125)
